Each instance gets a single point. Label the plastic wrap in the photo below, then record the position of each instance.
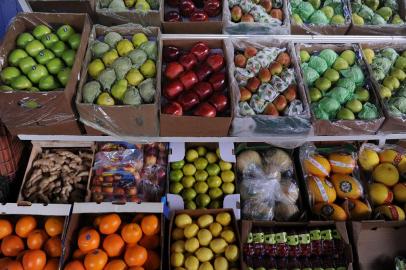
(117, 16)
(318, 29)
(321, 125)
(264, 125)
(255, 28)
(268, 186)
(121, 120)
(332, 179)
(380, 30)
(42, 112)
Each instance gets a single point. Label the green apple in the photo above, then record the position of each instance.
(188, 181)
(315, 94)
(328, 11)
(175, 175)
(74, 41)
(105, 100)
(9, 73)
(213, 169)
(175, 188)
(385, 92)
(397, 19)
(385, 12)
(189, 169)
(315, 3)
(58, 48)
(345, 114)
(391, 82)
(134, 77)
(138, 39)
(398, 73)
(215, 193)
(118, 89)
(362, 94)
(337, 19)
(54, 66)
(148, 69)
(37, 72)
(214, 181)
(63, 76)
(64, 32)
(201, 151)
(332, 75)
(304, 56)
(201, 163)
(369, 55)
(323, 84)
(44, 56)
(21, 83)
(202, 200)
(297, 19)
(201, 187)
(201, 175)
(188, 194)
(109, 57)
(23, 39)
(5, 88)
(354, 105)
(48, 83)
(49, 40)
(34, 47)
(69, 57)
(40, 30)
(357, 20)
(401, 63)
(26, 64)
(95, 67)
(349, 56)
(228, 188)
(15, 56)
(177, 165)
(340, 64)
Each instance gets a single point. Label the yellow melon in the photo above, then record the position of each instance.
(330, 211)
(317, 165)
(368, 159)
(390, 156)
(341, 163)
(391, 212)
(386, 173)
(399, 190)
(320, 190)
(358, 210)
(346, 186)
(380, 194)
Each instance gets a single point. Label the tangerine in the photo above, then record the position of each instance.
(34, 260)
(52, 264)
(150, 241)
(25, 225)
(109, 224)
(12, 245)
(95, 260)
(78, 254)
(153, 261)
(54, 226)
(13, 265)
(74, 265)
(150, 225)
(116, 265)
(88, 240)
(53, 247)
(135, 256)
(4, 262)
(131, 233)
(36, 239)
(5, 228)
(114, 245)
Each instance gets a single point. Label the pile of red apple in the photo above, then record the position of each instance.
(194, 81)
(262, 11)
(267, 87)
(194, 10)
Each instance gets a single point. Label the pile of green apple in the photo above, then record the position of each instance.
(122, 71)
(337, 86)
(389, 70)
(375, 12)
(42, 61)
(123, 5)
(202, 178)
(317, 12)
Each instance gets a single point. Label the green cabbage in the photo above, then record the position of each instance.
(355, 74)
(317, 63)
(330, 106)
(329, 56)
(346, 83)
(310, 75)
(319, 113)
(340, 94)
(368, 112)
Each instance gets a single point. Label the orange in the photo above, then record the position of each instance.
(78, 254)
(13, 265)
(11, 246)
(52, 264)
(88, 240)
(54, 226)
(150, 225)
(34, 260)
(4, 262)
(21, 255)
(317, 165)
(150, 241)
(5, 228)
(36, 239)
(109, 223)
(116, 265)
(341, 163)
(74, 265)
(153, 261)
(25, 225)
(114, 245)
(131, 233)
(135, 256)
(95, 260)
(53, 247)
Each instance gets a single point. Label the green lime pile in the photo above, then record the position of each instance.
(122, 70)
(317, 12)
(42, 61)
(375, 12)
(337, 86)
(202, 178)
(389, 69)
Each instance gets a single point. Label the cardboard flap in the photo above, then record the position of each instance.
(35, 209)
(129, 207)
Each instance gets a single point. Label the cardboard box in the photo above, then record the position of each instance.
(13, 211)
(178, 152)
(121, 120)
(380, 30)
(344, 127)
(54, 113)
(261, 124)
(197, 213)
(109, 17)
(247, 226)
(63, 6)
(41, 146)
(83, 215)
(196, 126)
(212, 26)
(377, 243)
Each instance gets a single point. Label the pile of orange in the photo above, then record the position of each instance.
(26, 245)
(111, 244)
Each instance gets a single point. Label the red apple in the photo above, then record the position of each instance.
(173, 89)
(173, 70)
(264, 75)
(271, 110)
(247, 18)
(250, 52)
(240, 61)
(290, 93)
(212, 7)
(219, 101)
(188, 79)
(201, 51)
(199, 16)
(245, 94)
(276, 68)
(171, 53)
(236, 13)
(218, 81)
(172, 3)
(203, 72)
(253, 84)
(188, 61)
(205, 110)
(284, 59)
(173, 16)
(277, 13)
(267, 5)
(203, 90)
(188, 100)
(216, 62)
(186, 8)
(280, 103)
(173, 108)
